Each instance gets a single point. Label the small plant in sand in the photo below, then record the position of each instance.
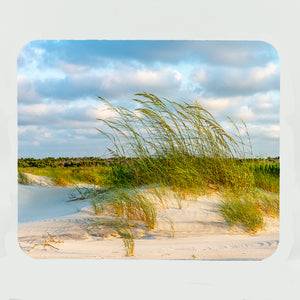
(128, 208)
(122, 227)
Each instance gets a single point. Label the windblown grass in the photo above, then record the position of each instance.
(128, 208)
(182, 147)
(177, 145)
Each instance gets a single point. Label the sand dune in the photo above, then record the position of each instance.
(52, 227)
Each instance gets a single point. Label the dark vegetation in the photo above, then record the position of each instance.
(62, 162)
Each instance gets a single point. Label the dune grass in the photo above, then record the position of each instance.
(127, 208)
(182, 147)
(177, 145)
(248, 210)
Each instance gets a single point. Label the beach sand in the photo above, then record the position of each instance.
(57, 228)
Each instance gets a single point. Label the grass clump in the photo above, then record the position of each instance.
(266, 175)
(242, 211)
(249, 209)
(127, 204)
(182, 148)
(177, 145)
(267, 203)
(126, 208)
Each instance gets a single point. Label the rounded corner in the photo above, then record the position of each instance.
(22, 47)
(274, 253)
(271, 45)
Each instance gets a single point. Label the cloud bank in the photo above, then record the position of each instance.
(58, 84)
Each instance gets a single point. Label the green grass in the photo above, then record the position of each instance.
(242, 211)
(68, 176)
(248, 210)
(181, 146)
(266, 175)
(176, 145)
(128, 208)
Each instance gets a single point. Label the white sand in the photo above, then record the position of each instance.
(200, 232)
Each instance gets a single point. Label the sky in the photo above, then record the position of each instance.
(59, 81)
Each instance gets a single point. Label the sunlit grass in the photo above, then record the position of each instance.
(249, 209)
(72, 175)
(176, 145)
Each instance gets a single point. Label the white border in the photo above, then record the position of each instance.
(269, 21)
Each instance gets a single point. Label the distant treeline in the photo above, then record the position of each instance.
(66, 162)
(62, 162)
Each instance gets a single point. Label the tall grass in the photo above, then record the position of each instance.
(266, 175)
(177, 145)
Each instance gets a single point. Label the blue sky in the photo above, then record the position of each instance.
(58, 84)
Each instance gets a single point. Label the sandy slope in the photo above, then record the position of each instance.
(37, 180)
(58, 229)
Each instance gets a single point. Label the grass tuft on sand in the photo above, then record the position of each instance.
(181, 146)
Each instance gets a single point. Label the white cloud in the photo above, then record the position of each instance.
(112, 83)
(72, 68)
(261, 73)
(199, 76)
(270, 131)
(216, 104)
(233, 81)
(273, 132)
(26, 90)
(245, 113)
(100, 111)
(40, 110)
(266, 103)
(86, 131)
(34, 133)
(22, 130)
(115, 81)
